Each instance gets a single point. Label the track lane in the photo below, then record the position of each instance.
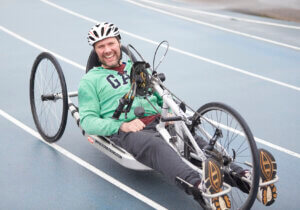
(275, 108)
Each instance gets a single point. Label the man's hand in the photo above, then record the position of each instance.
(132, 126)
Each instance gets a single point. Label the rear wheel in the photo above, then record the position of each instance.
(48, 97)
(235, 150)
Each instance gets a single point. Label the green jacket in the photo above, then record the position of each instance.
(98, 95)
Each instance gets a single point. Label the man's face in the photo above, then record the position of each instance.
(108, 51)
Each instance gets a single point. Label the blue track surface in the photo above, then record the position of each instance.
(203, 65)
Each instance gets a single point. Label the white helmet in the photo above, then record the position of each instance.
(102, 31)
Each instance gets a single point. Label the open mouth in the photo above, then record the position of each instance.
(110, 58)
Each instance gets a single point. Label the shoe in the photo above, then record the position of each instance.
(268, 170)
(212, 182)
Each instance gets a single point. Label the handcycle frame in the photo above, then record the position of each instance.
(183, 119)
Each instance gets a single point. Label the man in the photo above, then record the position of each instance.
(99, 94)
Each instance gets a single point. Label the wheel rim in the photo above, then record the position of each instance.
(49, 115)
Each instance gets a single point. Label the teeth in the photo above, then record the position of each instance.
(109, 56)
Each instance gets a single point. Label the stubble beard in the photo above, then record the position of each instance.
(114, 65)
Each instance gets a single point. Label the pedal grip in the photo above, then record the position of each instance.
(168, 119)
(119, 109)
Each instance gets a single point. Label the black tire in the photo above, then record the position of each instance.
(238, 144)
(93, 60)
(49, 112)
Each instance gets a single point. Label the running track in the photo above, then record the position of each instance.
(248, 62)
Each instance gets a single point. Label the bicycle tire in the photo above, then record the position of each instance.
(236, 133)
(46, 80)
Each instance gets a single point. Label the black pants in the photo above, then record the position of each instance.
(149, 148)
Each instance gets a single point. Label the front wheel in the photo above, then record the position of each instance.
(48, 97)
(234, 148)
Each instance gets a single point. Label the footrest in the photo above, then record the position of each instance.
(262, 184)
(223, 192)
(191, 190)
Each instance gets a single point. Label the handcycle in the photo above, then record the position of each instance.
(228, 138)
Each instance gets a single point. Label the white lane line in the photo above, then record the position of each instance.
(83, 68)
(96, 21)
(236, 69)
(180, 51)
(279, 148)
(41, 48)
(222, 16)
(214, 26)
(83, 163)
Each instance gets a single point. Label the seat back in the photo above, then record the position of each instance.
(93, 60)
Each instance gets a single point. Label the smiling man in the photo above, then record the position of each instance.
(108, 52)
(99, 93)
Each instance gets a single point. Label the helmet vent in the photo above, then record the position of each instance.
(96, 34)
(108, 31)
(102, 31)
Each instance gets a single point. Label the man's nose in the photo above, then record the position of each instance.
(107, 49)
